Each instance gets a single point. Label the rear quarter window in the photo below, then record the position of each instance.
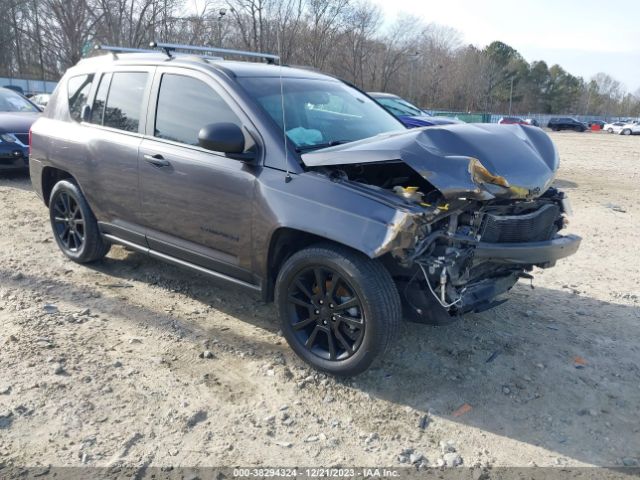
(78, 88)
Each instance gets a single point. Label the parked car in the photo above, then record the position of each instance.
(41, 100)
(532, 121)
(296, 185)
(566, 123)
(16, 116)
(630, 129)
(512, 121)
(615, 127)
(410, 115)
(15, 88)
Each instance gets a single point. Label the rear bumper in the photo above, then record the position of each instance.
(35, 171)
(532, 253)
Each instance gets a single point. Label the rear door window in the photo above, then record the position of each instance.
(78, 88)
(124, 103)
(185, 105)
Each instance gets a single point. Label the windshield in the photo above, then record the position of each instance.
(12, 102)
(319, 113)
(398, 106)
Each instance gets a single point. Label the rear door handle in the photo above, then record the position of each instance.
(157, 160)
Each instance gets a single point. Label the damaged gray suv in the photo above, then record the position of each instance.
(299, 186)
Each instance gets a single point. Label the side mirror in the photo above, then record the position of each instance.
(85, 113)
(222, 137)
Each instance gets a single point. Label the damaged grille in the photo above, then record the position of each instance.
(536, 226)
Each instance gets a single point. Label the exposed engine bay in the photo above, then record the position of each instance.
(456, 251)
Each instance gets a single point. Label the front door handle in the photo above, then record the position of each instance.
(157, 160)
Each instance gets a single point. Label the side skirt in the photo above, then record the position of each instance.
(182, 263)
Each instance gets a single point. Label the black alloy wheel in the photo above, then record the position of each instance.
(68, 222)
(74, 225)
(326, 313)
(339, 309)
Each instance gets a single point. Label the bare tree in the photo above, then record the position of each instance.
(399, 53)
(356, 43)
(426, 63)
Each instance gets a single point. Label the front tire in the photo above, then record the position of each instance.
(626, 131)
(74, 226)
(339, 309)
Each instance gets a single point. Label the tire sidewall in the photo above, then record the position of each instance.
(370, 346)
(71, 189)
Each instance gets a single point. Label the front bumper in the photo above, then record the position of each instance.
(531, 253)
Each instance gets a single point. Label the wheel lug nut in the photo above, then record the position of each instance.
(333, 317)
(317, 312)
(321, 302)
(331, 305)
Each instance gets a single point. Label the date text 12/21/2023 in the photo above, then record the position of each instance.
(314, 472)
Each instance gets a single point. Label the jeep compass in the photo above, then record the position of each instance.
(299, 186)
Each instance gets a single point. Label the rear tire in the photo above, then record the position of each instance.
(339, 309)
(74, 226)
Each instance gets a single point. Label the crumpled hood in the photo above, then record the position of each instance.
(17, 122)
(444, 155)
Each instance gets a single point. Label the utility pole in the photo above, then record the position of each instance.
(511, 96)
(221, 13)
(39, 39)
(413, 58)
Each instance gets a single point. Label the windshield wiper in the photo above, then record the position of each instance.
(318, 146)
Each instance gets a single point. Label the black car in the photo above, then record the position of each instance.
(566, 123)
(297, 186)
(16, 116)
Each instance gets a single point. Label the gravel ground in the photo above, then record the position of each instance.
(134, 362)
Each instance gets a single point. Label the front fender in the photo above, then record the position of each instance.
(373, 223)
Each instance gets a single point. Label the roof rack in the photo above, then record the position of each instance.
(170, 47)
(114, 50)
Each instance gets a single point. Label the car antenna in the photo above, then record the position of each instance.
(287, 177)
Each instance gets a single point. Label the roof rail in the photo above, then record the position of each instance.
(169, 47)
(114, 50)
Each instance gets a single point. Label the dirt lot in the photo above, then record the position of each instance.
(102, 365)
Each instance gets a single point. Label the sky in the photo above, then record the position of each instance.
(583, 36)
